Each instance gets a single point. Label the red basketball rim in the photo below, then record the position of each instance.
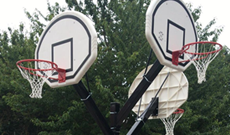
(179, 111)
(187, 46)
(205, 54)
(54, 65)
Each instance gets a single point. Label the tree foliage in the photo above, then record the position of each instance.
(122, 53)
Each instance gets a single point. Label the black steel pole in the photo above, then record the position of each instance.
(92, 108)
(114, 109)
(152, 109)
(139, 91)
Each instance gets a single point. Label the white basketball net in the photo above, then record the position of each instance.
(170, 122)
(202, 65)
(36, 78)
(201, 62)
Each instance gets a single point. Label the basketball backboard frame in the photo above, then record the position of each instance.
(69, 40)
(169, 26)
(172, 95)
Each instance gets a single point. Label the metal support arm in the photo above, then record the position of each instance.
(152, 109)
(92, 108)
(139, 91)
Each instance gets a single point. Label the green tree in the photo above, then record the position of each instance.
(14, 45)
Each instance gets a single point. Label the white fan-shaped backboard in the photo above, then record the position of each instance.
(170, 26)
(172, 95)
(70, 41)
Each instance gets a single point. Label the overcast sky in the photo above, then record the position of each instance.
(215, 9)
(12, 13)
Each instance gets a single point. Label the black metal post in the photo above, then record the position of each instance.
(139, 91)
(114, 109)
(152, 109)
(92, 108)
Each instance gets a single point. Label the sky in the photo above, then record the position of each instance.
(12, 13)
(215, 9)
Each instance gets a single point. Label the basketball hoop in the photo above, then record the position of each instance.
(170, 121)
(37, 76)
(205, 52)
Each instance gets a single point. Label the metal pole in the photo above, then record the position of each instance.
(114, 109)
(139, 91)
(92, 108)
(151, 109)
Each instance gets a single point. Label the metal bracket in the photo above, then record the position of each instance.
(86, 97)
(146, 79)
